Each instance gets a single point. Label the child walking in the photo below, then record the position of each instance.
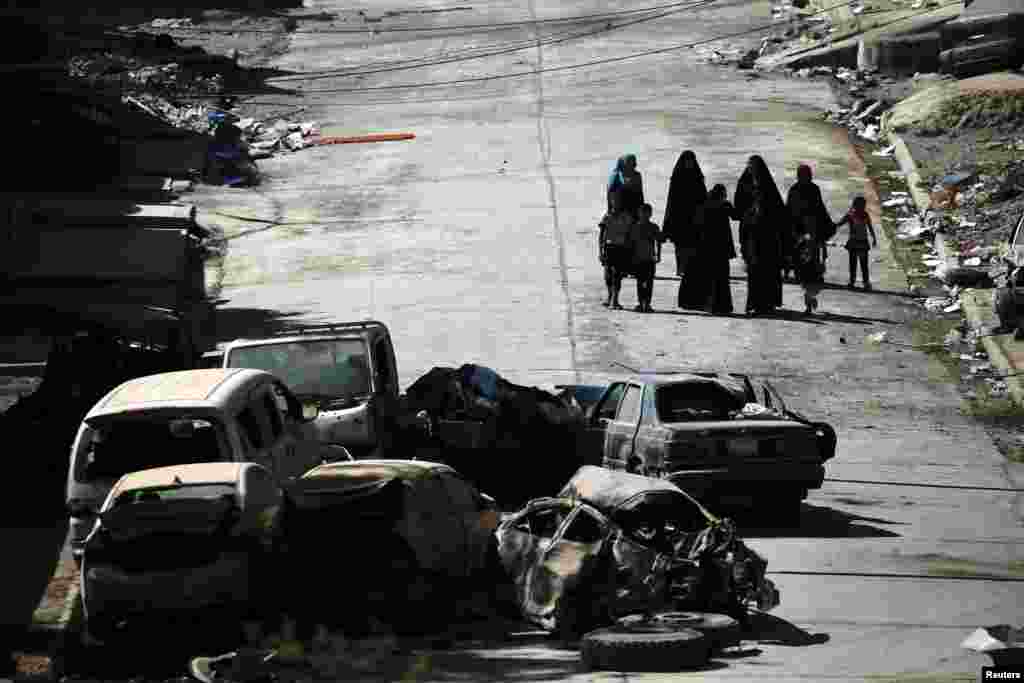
(857, 242)
(645, 242)
(613, 241)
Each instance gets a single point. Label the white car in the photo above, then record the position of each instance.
(190, 416)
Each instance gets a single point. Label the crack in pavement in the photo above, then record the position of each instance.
(544, 142)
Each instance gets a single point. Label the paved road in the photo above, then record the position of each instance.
(475, 242)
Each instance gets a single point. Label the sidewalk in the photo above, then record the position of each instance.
(1005, 352)
(840, 48)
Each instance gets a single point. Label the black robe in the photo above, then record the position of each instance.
(716, 246)
(763, 223)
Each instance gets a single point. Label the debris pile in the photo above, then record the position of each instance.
(863, 116)
(281, 136)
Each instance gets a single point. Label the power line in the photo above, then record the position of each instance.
(568, 67)
(518, 46)
(927, 486)
(454, 27)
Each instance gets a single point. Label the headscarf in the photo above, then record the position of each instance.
(616, 179)
(807, 210)
(686, 191)
(769, 192)
(804, 169)
(858, 214)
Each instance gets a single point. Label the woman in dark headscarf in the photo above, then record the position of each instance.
(628, 183)
(711, 222)
(686, 191)
(763, 220)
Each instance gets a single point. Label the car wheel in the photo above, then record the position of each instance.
(645, 647)
(721, 630)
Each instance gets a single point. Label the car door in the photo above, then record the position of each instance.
(595, 436)
(523, 539)
(253, 422)
(563, 561)
(621, 431)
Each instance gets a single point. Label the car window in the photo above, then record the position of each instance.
(629, 411)
(312, 369)
(130, 445)
(187, 492)
(545, 522)
(584, 528)
(696, 401)
(606, 408)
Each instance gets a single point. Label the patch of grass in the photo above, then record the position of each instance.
(956, 567)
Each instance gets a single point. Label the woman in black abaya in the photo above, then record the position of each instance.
(763, 218)
(687, 191)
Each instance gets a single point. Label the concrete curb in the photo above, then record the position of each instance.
(973, 303)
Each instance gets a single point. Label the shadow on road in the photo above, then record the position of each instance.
(817, 521)
(819, 318)
(768, 629)
(235, 323)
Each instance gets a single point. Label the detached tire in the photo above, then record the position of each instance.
(645, 647)
(721, 630)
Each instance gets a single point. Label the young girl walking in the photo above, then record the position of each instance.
(857, 242)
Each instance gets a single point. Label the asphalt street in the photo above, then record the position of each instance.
(476, 242)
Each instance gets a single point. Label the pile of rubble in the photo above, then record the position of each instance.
(195, 117)
(863, 117)
(283, 136)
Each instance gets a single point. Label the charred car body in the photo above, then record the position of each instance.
(418, 532)
(613, 544)
(178, 538)
(714, 436)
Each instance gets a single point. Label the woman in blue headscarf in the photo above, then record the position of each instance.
(628, 182)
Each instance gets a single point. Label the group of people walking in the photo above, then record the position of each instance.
(776, 237)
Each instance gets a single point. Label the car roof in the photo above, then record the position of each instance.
(190, 474)
(363, 477)
(277, 341)
(211, 387)
(607, 490)
(376, 469)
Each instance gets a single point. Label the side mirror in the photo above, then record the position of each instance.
(310, 411)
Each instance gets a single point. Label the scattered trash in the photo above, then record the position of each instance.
(895, 201)
(973, 261)
(952, 307)
(878, 337)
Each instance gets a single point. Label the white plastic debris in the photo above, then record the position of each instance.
(308, 127)
(870, 133)
(974, 261)
(953, 307)
(935, 303)
(878, 337)
(895, 201)
(751, 409)
(294, 141)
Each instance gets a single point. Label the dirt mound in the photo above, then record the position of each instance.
(989, 101)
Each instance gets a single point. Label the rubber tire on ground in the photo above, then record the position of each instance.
(646, 647)
(909, 53)
(721, 630)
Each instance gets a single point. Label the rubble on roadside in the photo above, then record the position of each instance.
(267, 139)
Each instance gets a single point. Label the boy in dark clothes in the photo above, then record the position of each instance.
(613, 239)
(857, 242)
(645, 244)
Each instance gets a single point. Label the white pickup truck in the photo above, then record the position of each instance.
(347, 370)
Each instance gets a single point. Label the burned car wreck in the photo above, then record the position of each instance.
(613, 544)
